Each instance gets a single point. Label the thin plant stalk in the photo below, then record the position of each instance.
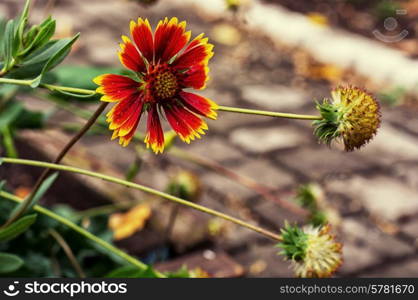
(265, 232)
(243, 180)
(126, 257)
(57, 160)
(268, 113)
(68, 252)
(59, 88)
(248, 182)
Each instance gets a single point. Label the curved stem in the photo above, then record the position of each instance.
(221, 108)
(50, 87)
(201, 161)
(68, 252)
(146, 189)
(130, 259)
(268, 113)
(57, 160)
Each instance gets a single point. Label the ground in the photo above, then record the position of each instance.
(374, 190)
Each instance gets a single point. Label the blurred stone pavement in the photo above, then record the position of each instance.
(375, 190)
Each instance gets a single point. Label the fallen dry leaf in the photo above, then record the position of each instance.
(126, 224)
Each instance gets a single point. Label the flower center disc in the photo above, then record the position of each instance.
(165, 84)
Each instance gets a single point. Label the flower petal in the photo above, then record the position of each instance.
(142, 35)
(130, 57)
(196, 77)
(155, 134)
(170, 38)
(133, 119)
(127, 131)
(199, 51)
(200, 105)
(186, 124)
(115, 87)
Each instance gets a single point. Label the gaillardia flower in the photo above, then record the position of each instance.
(352, 115)
(312, 250)
(165, 64)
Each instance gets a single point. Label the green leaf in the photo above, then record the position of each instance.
(81, 76)
(8, 45)
(183, 272)
(132, 272)
(8, 142)
(38, 195)
(44, 188)
(10, 114)
(2, 31)
(31, 119)
(44, 33)
(34, 64)
(16, 228)
(9, 262)
(63, 47)
(20, 25)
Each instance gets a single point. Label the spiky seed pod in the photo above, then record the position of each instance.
(352, 115)
(313, 251)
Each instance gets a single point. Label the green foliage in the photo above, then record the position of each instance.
(58, 52)
(17, 228)
(46, 184)
(41, 256)
(183, 272)
(10, 113)
(132, 272)
(80, 77)
(393, 96)
(294, 242)
(308, 199)
(386, 8)
(326, 130)
(30, 52)
(9, 263)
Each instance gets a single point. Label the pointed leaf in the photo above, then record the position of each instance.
(9, 262)
(8, 45)
(132, 272)
(15, 229)
(63, 47)
(10, 113)
(39, 194)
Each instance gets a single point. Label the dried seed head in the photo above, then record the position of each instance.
(352, 115)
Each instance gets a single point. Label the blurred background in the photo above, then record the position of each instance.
(278, 55)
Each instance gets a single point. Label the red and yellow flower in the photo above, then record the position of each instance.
(166, 63)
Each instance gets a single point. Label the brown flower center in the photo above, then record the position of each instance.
(161, 82)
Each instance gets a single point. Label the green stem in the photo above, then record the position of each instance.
(204, 162)
(59, 88)
(130, 259)
(20, 211)
(16, 81)
(68, 251)
(52, 87)
(8, 142)
(146, 189)
(106, 209)
(268, 113)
